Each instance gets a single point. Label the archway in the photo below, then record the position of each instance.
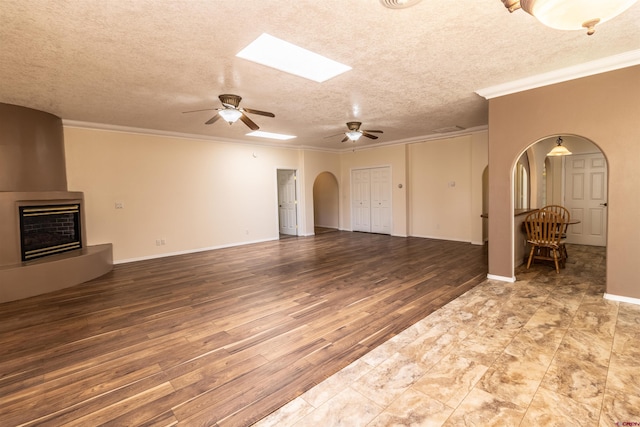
(325, 203)
(554, 181)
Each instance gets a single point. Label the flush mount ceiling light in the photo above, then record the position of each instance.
(230, 115)
(571, 14)
(270, 135)
(284, 56)
(559, 149)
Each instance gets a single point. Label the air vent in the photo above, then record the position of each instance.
(399, 4)
(448, 129)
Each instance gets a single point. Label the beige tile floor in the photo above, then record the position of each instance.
(547, 350)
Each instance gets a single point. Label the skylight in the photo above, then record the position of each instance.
(284, 56)
(270, 135)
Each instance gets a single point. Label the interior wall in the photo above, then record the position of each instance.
(446, 191)
(391, 155)
(604, 109)
(184, 194)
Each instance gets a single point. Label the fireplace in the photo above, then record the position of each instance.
(49, 229)
(43, 242)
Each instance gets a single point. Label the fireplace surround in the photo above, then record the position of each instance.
(33, 176)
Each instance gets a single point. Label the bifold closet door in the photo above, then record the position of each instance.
(371, 200)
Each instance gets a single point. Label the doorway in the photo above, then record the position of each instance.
(326, 212)
(287, 202)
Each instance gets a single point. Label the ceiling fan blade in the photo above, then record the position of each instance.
(247, 121)
(196, 111)
(262, 113)
(212, 119)
(368, 135)
(374, 131)
(346, 138)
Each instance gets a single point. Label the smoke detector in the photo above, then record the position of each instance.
(399, 4)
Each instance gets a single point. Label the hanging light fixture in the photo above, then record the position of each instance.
(559, 149)
(230, 115)
(353, 135)
(571, 14)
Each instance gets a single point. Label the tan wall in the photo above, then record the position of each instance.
(445, 195)
(394, 156)
(194, 194)
(604, 109)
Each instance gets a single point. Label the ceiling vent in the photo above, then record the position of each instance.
(399, 4)
(448, 129)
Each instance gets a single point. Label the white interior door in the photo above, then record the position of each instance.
(586, 198)
(361, 200)
(381, 200)
(287, 203)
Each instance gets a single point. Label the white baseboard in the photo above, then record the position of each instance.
(620, 298)
(189, 251)
(501, 278)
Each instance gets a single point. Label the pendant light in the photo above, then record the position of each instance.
(559, 149)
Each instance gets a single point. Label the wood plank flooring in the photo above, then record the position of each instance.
(219, 338)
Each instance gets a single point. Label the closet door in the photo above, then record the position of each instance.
(381, 200)
(361, 200)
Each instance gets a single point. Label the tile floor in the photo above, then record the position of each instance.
(547, 350)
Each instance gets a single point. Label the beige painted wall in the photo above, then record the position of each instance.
(229, 191)
(194, 194)
(604, 109)
(394, 156)
(445, 195)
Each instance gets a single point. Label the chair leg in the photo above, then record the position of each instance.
(530, 257)
(555, 259)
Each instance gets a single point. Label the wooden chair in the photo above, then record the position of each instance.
(543, 236)
(566, 217)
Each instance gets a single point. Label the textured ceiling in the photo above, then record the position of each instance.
(141, 63)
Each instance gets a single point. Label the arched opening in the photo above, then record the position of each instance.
(325, 203)
(577, 181)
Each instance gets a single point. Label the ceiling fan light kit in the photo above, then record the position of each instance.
(571, 14)
(353, 135)
(230, 115)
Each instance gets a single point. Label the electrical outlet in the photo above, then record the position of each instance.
(119, 205)
(158, 242)
(163, 241)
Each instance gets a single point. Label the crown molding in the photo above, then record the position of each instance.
(169, 134)
(610, 63)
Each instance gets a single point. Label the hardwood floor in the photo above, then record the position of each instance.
(219, 338)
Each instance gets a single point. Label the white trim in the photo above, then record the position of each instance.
(446, 239)
(501, 278)
(191, 251)
(620, 298)
(615, 62)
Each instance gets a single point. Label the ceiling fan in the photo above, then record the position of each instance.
(354, 132)
(231, 111)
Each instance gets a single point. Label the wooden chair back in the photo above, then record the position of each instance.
(542, 228)
(564, 214)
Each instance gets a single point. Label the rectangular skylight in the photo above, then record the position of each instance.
(284, 56)
(270, 135)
